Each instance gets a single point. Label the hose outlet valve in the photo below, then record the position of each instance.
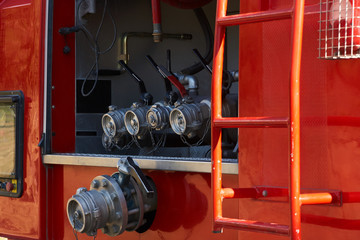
(124, 201)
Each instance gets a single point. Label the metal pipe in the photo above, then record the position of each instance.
(295, 202)
(123, 49)
(191, 81)
(156, 12)
(216, 106)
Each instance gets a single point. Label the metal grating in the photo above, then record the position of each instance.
(339, 29)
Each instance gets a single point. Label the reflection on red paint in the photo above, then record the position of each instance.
(349, 224)
(12, 4)
(180, 204)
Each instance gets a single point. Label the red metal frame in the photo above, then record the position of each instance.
(21, 53)
(218, 122)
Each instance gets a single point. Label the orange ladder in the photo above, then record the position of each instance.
(296, 199)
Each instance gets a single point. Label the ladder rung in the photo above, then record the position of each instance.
(332, 197)
(254, 17)
(258, 122)
(255, 226)
(319, 198)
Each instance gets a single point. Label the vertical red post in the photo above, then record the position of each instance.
(216, 105)
(156, 12)
(295, 203)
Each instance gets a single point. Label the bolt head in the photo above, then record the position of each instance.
(112, 108)
(113, 196)
(96, 212)
(264, 193)
(104, 183)
(115, 228)
(105, 230)
(118, 215)
(95, 184)
(81, 190)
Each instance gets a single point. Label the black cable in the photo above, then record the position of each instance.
(95, 46)
(209, 41)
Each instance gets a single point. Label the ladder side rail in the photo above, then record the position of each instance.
(216, 102)
(295, 201)
(255, 17)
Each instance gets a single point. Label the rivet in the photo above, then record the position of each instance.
(264, 193)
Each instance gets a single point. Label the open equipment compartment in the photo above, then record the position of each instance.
(153, 115)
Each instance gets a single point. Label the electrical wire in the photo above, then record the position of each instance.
(93, 41)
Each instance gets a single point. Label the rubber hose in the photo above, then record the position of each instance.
(209, 38)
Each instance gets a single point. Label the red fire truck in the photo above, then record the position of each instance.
(179, 119)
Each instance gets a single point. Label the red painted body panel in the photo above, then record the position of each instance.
(329, 138)
(63, 113)
(184, 205)
(63, 84)
(21, 68)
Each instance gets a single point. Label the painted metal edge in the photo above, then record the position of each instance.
(164, 164)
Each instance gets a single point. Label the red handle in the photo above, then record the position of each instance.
(173, 79)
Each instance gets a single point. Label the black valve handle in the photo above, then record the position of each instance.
(146, 97)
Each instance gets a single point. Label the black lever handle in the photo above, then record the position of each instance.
(146, 97)
(166, 80)
(202, 60)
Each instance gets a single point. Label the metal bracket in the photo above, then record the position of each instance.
(129, 167)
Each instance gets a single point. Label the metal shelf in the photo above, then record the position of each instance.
(201, 165)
